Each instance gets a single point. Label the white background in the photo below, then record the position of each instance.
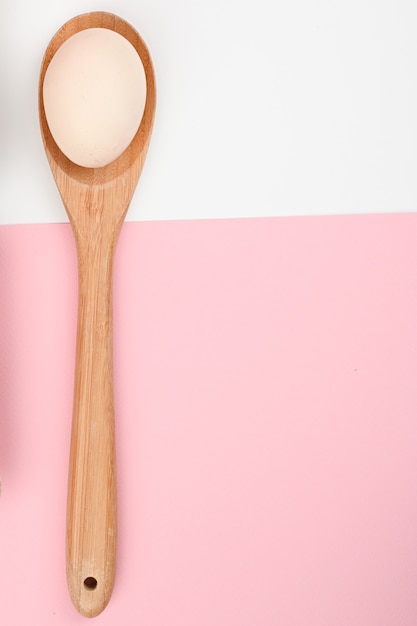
(273, 107)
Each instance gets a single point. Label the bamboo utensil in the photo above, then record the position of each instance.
(96, 201)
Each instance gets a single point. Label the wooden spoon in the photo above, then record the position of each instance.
(96, 200)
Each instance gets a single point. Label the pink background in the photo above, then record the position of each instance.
(266, 398)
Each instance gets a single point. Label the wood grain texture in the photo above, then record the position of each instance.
(96, 201)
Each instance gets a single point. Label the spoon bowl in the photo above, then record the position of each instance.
(96, 201)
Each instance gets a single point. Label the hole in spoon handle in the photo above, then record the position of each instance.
(90, 583)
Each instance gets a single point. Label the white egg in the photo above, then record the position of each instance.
(94, 96)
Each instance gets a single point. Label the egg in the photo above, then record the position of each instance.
(94, 96)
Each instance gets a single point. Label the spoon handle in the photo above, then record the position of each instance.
(91, 510)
